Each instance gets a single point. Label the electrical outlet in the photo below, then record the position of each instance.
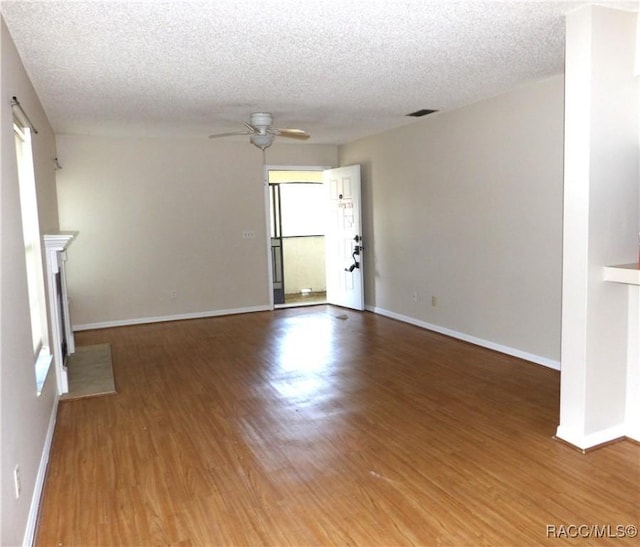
(173, 294)
(414, 296)
(434, 301)
(16, 481)
(248, 234)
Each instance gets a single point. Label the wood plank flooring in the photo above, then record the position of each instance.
(321, 426)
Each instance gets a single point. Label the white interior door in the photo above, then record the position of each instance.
(343, 238)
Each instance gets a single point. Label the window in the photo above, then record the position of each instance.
(33, 253)
(302, 209)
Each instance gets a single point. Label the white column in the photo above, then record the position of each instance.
(601, 217)
(633, 370)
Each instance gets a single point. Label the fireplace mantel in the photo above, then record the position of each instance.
(56, 245)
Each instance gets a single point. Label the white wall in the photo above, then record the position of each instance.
(602, 219)
(466, 206)
(26, 419)
(161, 224)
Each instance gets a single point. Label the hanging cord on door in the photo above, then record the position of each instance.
(355, 254)
(355, 264)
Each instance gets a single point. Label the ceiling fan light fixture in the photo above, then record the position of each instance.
(261, 119)
(262, 141)
(260, 132)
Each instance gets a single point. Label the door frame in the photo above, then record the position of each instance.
(267, 168)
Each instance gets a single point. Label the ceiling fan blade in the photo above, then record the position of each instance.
(261, 133)
(231, 134)
(293, 134)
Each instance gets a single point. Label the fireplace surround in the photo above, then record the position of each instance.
(62, 342)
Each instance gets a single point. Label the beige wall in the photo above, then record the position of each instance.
(161, 225)
(26, 419)
(466, 206)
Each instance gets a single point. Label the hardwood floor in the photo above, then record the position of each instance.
(321, 426)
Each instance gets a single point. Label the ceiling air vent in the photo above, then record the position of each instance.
(420, 113)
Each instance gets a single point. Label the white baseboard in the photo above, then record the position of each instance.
(161, 319)
(550, 363)
(584, 442)
(633, 433)
(32, 519)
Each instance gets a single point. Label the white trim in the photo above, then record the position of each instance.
(632, 405)
(43, 365)
(632, 431)
(584, 442)
(267, 205)
(162, 319)
(544, 361)
(55, 246)
(32, 518)
(272, 167)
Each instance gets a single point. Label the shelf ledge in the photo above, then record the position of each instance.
(623, 273)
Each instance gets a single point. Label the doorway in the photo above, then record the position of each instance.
(297, 218)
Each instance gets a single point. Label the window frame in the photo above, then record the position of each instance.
(32, 239)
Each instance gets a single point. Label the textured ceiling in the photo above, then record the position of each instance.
(340, 69)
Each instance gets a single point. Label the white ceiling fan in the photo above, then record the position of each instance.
(261, 133)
